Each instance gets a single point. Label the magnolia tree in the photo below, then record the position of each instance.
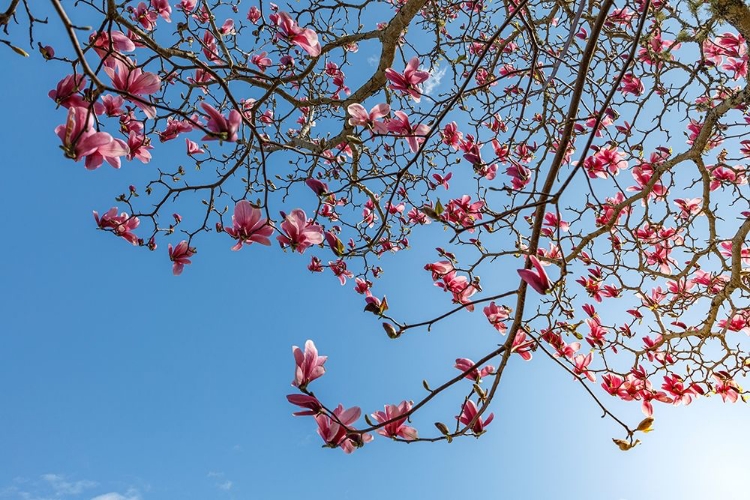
(590, 153)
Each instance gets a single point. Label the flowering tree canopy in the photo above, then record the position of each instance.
(586, 160)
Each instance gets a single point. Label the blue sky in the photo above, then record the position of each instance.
(121, 381)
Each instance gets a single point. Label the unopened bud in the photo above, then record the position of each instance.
(478, 390)
(444, 430)
(46, 50)
(19, 51)
(391, 331)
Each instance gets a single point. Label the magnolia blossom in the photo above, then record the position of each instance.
(193, 148)
(122, 225)
(80, 140)
(334, 431)
(408, 81)
(130, 79)
(304, 401)
(180, 256)
(396, 428)
(473, 373)
(107, 42)
(469, 413)
(360, 117)
(299, 232)
(537, 278)
(400, 125)
(304, 38)
(224, 129)
(309, 365)
(496, 316)
(249, 226)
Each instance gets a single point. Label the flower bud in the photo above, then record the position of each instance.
(391, 331)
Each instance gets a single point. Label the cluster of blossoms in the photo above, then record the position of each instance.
(336, 427)
(535, 173)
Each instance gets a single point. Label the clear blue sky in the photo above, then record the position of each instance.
(121, 381)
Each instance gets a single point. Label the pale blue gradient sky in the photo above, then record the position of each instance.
(120, 381)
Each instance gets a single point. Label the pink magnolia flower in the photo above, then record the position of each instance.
(300, 233)
(180, 256)
(139, 145)
(106, 42)
(682, 393)
(132, 80)
(66, 94)
(163, 8)
(536, 279)
(315, 266)
(409, 81)
(631, 85)
(400, 125)
(249, 226)
(554, 221)
(253, 15)
(580, 363)
(461, 288)
(304, 38)
(318, 187)
(452, 136)
(397, 427)
(441, 181)
(227, 28)
(80, 140)
(309, 365)
(144, 16)
(439, 269)
(304, 401)
(187, 6)
(726, 387)
(122, 225)
(113, 105)
(193, 148)
(732, 45)
(496, 315)
(335, 431)
(465, 365)
(521, 346)
(339, 269)
(469, 412)
(360, 117)
(210, 47)
(223, 129)
(261, 61)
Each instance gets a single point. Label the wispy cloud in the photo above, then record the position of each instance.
(436, 76)
(61, 486)
(224, 485)
(48, 487)
(129, 495)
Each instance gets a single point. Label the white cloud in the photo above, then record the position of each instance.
(61, 486)
(373, 60)
(226, 485)
(129, 495)
(436, 76)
